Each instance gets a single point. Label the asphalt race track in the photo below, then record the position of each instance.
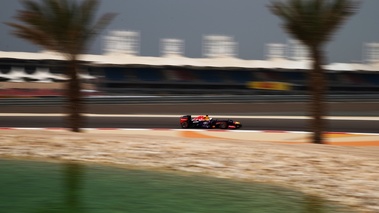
(357, 117)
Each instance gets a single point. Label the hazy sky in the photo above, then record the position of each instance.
(249, 21)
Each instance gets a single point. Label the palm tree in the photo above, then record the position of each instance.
(313, 22)
(67, 27)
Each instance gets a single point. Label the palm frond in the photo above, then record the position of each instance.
(313, 21)
(66, 26)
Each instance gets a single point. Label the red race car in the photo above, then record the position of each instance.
(187, 121)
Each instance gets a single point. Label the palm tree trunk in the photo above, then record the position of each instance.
(73, 174)
(317, 102)
(75, 106)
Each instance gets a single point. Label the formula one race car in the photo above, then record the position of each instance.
(186, 121)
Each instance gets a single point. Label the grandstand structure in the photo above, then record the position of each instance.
(121, 70)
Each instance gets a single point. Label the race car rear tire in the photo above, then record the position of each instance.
(223, 125)
(185, 125)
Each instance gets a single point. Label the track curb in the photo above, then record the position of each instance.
(168, 129)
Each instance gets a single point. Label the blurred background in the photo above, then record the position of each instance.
(164, 48)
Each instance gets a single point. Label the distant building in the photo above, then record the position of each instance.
(172, 47)
(125, 42)
(215, 46)
(371, 52)
(123, 70)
